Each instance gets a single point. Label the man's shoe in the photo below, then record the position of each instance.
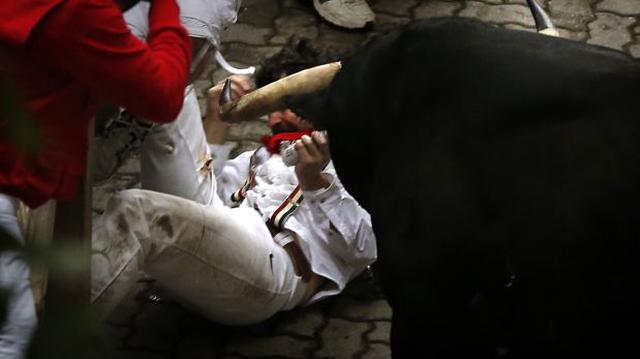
(350, 14)
(123, 135)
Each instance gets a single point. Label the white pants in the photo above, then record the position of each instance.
(217, 260)
(21, 320)
(173, 155)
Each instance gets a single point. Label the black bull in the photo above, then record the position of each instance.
(502, 172)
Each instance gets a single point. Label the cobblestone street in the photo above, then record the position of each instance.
(355, 324)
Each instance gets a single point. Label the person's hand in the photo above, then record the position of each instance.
(313, 157)
(216, 129)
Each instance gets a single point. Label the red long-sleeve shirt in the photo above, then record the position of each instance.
(64, 55)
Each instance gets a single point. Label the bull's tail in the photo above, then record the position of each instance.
(542, 19)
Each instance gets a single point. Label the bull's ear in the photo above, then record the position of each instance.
(309, 106)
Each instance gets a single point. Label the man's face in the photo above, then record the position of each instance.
(287, 121)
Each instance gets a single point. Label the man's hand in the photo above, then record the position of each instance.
(214, 128)
(313, 153)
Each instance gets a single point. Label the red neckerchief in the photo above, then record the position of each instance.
(272, 143)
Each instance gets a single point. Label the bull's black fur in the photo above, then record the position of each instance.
(502, 172)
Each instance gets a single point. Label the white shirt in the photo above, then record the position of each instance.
(202, 18)
(335, 233)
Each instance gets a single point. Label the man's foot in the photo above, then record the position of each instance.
(123, 136)
(350, 14)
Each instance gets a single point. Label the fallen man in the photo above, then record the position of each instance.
(264, 238)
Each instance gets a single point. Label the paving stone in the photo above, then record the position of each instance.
(436, 9)
(378, 351)
(131, 165)
(574, 35)
(112, 337)
(197, 346)
(202, 103)
(139, 354)
(634, 50)
(156, 327)
(247, 34)
(297, 4)
(570, 14)
(297, 23)
(281, 346)
(209, 69)
(622, 7)
(342, 339)
(305, 322)
(243, 55)
(393, 7)
(123, 314)
(340, 39)
(386, 23)
(101, 193)
(498, 14)
(519, 27)
(610, 30)
(201, 86)
(348, 308)
(565, 34)
(219, 75)
(260, 13)
(363, 288)
(381, 332)
(636, 30)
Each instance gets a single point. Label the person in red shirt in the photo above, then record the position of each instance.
(62, 57)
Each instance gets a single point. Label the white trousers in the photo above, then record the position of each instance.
(217, 260)
(21, 320)
(173, 155)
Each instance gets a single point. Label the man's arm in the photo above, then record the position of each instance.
(90, 40)
(349, 225)
(314, 156)
(215, 129)
(230, 174)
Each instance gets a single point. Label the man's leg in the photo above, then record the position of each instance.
(220, 261)
(175, 157)
(21, 320)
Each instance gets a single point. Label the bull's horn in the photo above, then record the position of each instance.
(542, 19)
(271, 97)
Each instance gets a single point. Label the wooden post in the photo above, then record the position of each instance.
(37, 228)
(67, 329)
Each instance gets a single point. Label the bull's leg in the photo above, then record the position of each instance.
(438, 322)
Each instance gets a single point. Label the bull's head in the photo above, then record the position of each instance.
(302, 91)
(272, 96)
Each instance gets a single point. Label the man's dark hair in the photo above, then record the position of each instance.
(296, 55)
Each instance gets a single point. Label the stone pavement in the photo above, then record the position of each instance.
(357, 322)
